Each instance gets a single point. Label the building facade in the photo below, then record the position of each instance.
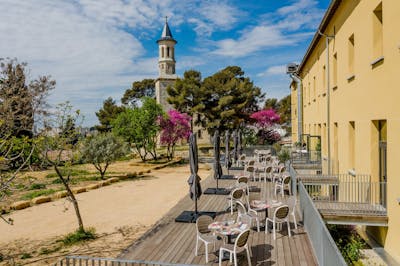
(350, 98)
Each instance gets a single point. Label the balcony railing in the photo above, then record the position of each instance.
(325, 249)
(306, 157)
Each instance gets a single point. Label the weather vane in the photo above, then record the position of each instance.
(166, 19)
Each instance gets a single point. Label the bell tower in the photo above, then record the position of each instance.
(166, 66)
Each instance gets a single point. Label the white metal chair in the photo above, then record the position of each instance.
(204, 234)
(283, 184)
(250, 171)
(279, 175)
(241, 243)
(267, 173)
(235, 195)
(292, 201)
(242, 160)
(281, 215)
(250, 214)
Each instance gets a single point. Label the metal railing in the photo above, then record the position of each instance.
(92, 261)
(325, 249)
(353, 197)
(306, 157)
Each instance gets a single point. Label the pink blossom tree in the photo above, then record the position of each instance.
(174, 127)
(265, 120)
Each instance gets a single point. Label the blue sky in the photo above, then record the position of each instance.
(97, 48)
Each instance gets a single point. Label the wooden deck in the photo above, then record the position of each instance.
(173, 242)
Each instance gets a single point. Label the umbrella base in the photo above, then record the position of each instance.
(191, 216)
(236, 168)
(216, 191)
(228, 177)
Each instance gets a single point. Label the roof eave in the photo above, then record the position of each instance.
(322, 27)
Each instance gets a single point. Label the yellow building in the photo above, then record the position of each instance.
(350, 96)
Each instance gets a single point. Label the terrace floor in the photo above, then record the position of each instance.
(172, 242)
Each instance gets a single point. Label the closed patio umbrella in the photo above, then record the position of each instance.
(194, 186)
(227, 156)
(217, 162)
(240, 145)
(194, 179)
(235, 146)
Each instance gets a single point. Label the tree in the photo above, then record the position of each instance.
(186, 95)
(271, 103)
(58, 149)
(174, 127)
(140, 89)
(139, 127)
(103, 149)
(107, 113)
(265, 121)
(228, 99)
(284, 109)
(13, 149)
(265, 118)
(22, 105)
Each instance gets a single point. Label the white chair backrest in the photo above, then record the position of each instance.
(202, 224)
(237, 193)
(242, 239)
(281, 212)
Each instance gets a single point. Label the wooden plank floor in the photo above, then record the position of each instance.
(173, 242)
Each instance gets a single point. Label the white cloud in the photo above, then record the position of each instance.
(288, 27)
(258, 38)
(274, 70)
(214, 15)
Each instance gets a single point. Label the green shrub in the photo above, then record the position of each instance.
(35, 194)
(284, 155)
(37, 186)
(348, 242)
(79, 236)
(277, 147)
(45, 251)
(26, 256)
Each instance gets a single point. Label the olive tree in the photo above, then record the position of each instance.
(60, 149)
(103, 149)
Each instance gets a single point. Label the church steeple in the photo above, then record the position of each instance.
(166, 33)
(166, 66)
(166, 52)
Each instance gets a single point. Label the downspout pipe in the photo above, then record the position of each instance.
(328, 101)
(297, 79)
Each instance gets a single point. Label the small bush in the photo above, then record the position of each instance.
(35, 194)
(1, 257)
(45, 251)
(348, 242)
(26, 256)
(79, 236)
(37, 186)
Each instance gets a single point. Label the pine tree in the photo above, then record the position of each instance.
(107, 113)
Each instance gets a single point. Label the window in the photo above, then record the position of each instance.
(323, 79)
(352, 145)
(162, 52)
(168, 52)
(199, 134)
(334, 74)
(377, 28)
(309, 92)
(314, 89)
(172, 53)
(351, 55)
(335, 144)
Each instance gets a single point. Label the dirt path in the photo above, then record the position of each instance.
(126, 209)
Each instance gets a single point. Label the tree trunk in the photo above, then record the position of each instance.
(72, 197)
